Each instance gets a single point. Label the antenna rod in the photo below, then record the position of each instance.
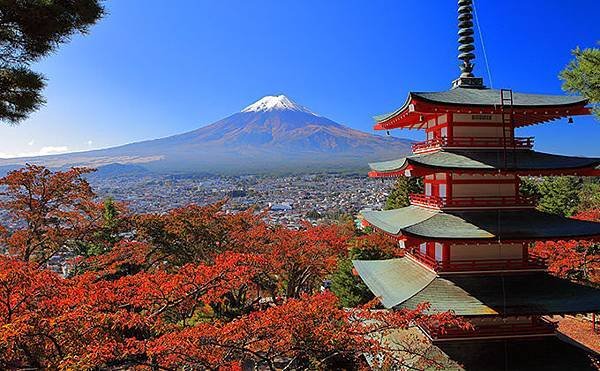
(465, 37)
(466, 47)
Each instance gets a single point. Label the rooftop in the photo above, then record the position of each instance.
(546, 353)
(528, 109)
(520, 160)
(486, 98)
(480, 225)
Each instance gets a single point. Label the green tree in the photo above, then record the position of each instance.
(30, 30)
(589, 197)
(582, 76)
(560, 195)
(349, 288)
(113, 221)
(338, 217)
(403, 187)
(313, 214)
(112, 226)
(530, 187)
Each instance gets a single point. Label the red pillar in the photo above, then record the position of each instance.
(448, 188)
(431, 249)
(446, 255)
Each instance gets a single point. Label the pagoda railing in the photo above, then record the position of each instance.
(473, 142)
(473, 265)
(540, 327)
(436, 202)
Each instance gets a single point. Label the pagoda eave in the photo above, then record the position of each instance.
(494, 161)
(418, 171)
(549, 353)
(410, 239)
(488, 226)
(413, 237)
(415, 113)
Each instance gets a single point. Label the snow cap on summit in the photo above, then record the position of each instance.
(275, 103)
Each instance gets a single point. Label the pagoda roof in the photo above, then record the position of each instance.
(520, 160)
(480, 225)
(507, 294)
(541, 107)
(486, 97)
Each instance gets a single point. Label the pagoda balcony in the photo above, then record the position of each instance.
(539, 327)
(481, 202)
(532, 262)
(473, 142)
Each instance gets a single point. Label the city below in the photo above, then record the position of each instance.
(290, 199)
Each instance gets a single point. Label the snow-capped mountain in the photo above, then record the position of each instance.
(272, 134)
(275, 103)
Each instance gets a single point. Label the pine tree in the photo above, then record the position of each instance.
(30, 30)
(582, 75)
(403, 187)
(349, 288)
(560, 195)
(589, 197)
(530, 188)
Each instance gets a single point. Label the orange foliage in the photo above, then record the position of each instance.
(298, 259)
(194, 288)
(161, 319)
(578, 260)
(51, 209)
(192, 233)
(311, 330)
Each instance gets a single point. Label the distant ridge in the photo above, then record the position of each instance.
(271, 134)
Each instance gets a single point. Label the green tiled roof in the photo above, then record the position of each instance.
(393, 221)
(475, 295)
(384, 283)
(485, 97)
(509, 294)
(488, 224)
(392, 165)
(491, 97)
(477, 159)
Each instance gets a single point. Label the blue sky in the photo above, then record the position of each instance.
(154, 68)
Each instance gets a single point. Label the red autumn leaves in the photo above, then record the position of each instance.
(576, 260)
(195, 287)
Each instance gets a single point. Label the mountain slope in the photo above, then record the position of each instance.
(273, 133)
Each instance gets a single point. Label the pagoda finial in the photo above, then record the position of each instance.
(466, 47)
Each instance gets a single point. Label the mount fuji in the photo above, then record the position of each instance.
(272, 134)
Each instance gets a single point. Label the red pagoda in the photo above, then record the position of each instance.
(466, 238)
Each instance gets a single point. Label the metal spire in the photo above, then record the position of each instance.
(466, 47)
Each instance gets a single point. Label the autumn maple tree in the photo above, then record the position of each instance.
(50, 210)
(577, 260)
